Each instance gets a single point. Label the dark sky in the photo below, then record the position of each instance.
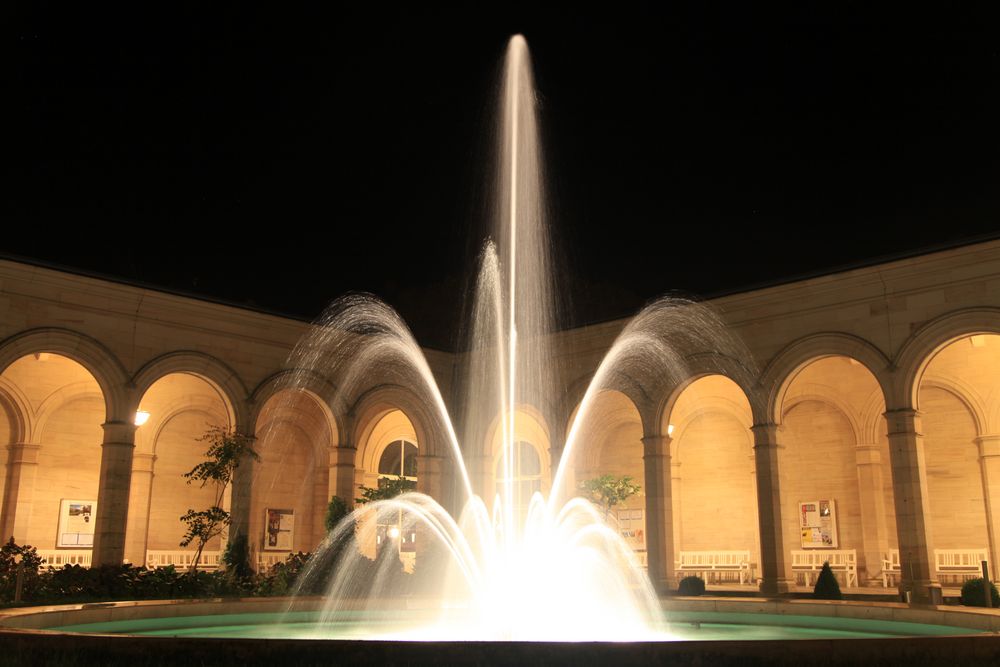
(280, 156)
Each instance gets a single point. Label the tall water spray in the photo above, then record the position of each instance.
(507, 567)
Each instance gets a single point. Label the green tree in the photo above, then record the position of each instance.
(226, 450)
(335, 511)
(387, 489)
(607, 491)
(826, 587)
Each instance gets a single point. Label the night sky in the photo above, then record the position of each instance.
(277, 157)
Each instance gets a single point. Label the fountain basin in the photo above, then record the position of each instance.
(707, 631)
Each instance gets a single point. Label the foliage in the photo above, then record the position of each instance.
(236, 557)
(691, 586)
(280, 579)
(607, 491)
(227, 449)
(11, 555)
(335, 511)
(826, 587)
(973, 594)
(386, 490)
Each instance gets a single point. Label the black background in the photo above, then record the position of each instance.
(279, 155)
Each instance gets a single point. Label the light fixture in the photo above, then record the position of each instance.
(141, 417)
(394, 533)
(670, 430)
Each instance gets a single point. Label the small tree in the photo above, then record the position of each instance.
(608, 491)
(387, 489)
(827, 587)
(227, 449)
(335, 511)
(974, 595)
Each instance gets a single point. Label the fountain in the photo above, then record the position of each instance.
(516, 569)
(581, 579)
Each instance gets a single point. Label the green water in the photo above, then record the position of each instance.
(690, 626)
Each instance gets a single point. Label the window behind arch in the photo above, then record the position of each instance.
(398, 461)
(527, 478)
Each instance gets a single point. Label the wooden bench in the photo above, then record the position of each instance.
(842, 561)
(890, 568)
(961, 564)
(182, 560)
(63, 557)
(713, 565)
(268, 559)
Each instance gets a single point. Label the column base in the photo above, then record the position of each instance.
(921, 593)
(775, 587)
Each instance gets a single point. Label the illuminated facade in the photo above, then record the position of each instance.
(872, 427)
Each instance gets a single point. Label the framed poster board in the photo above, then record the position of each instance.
(279, 529)
(76, 523)
(818, 524)
(633, 528)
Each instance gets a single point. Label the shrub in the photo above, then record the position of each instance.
(691, 586)
(974, 596)
(30, 561)
(827, 587)
(335, 511)
(237, 558)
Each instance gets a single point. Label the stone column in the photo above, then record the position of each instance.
(871, 492)
(989, 461)
(113, 493)
(342, 473)
(774, 574)
(320, 501)
(138, 504)
(240, 498)
(569, 476)
(909, 485)
(429, 476)
(659, 509)
(19, 490)
(677, 503)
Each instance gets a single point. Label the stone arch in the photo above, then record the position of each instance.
(966, 395)
(379, 401)
(782, 369)
(59, 398)
(99, 361)
(610, 420)
(659, 421)
(917, 352)
(823, 394)
(17, 408)
(317, 388)
(221, 377)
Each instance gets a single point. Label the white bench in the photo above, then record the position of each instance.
(890, 568)
(182, 560)
(842, 561)
(268, 559)
(63, 557)
(715, 564)
(962, 564)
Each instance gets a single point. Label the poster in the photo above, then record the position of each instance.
(818, 524)
(279, 527)
(633, 528)
(76, 523)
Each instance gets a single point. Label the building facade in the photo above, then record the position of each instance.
(868, 425)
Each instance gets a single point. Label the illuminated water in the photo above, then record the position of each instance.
(516, 566)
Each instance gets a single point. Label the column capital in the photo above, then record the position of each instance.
(867, 455)
(766, 435)
(989, 445)
(904, 420)
(119, 433)
(656, 445)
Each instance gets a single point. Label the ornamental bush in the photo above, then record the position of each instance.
(827, 587)
(974, 596)
(692, 586)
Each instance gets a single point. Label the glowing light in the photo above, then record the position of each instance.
(670, 430)
(141, 417)
(394, 533)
